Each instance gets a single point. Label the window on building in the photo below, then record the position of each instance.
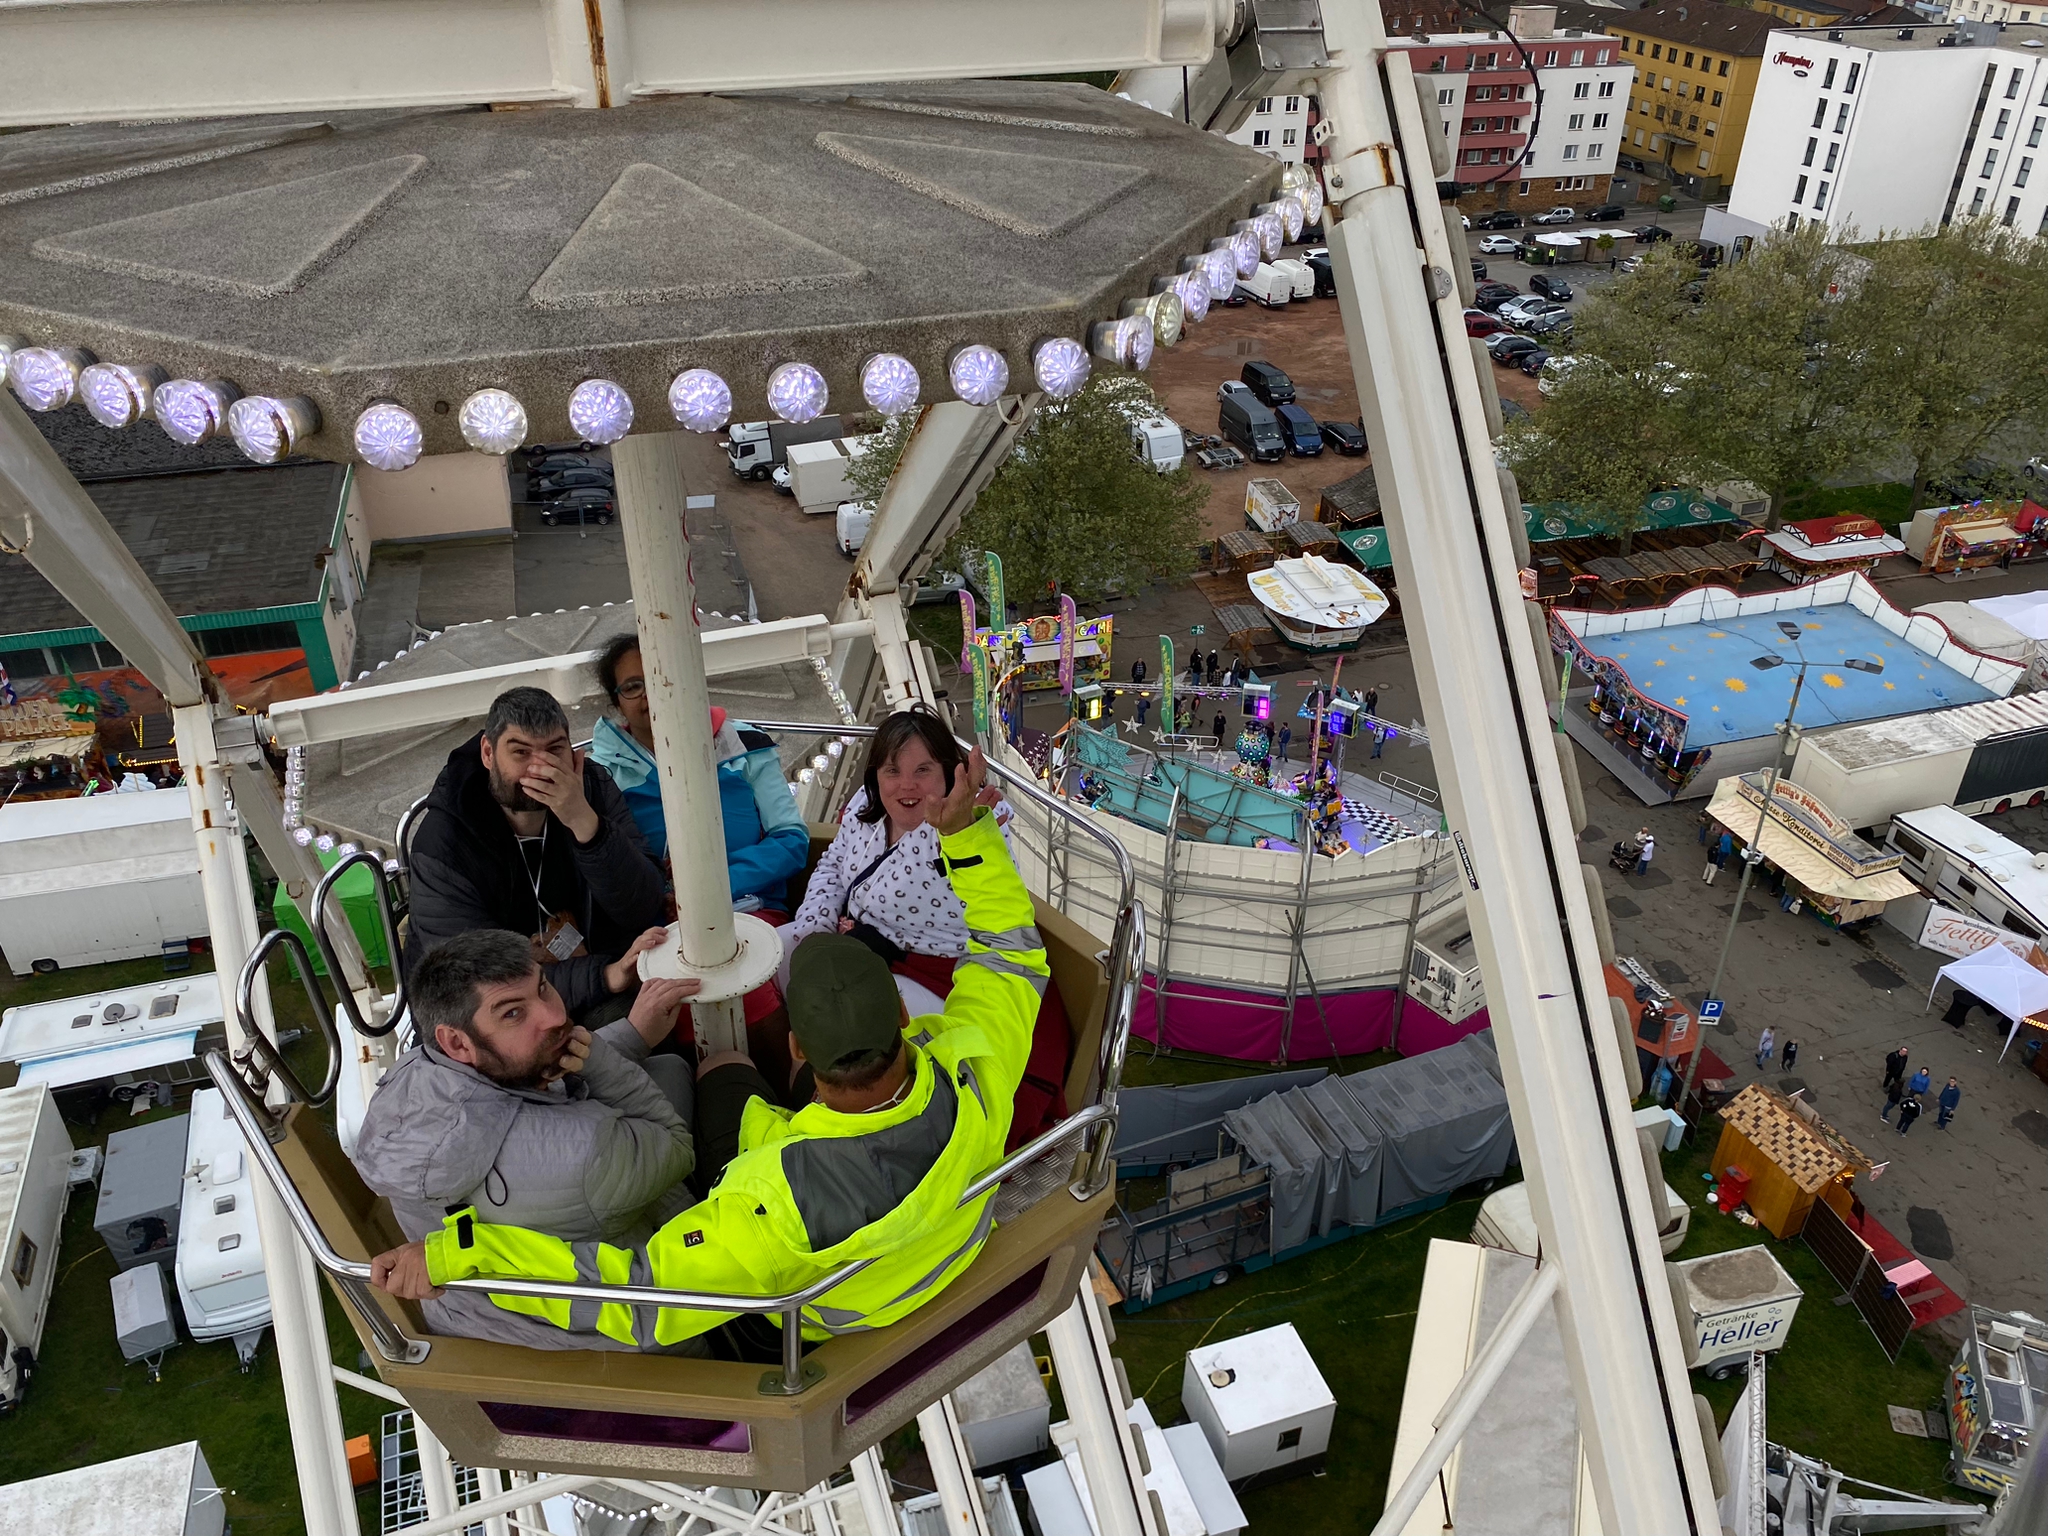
(1602, 56)
(2012, 86)
(1833, 151)
(1644, 109)
(1265, 105)
(1290, 136)
(1482, 93)
(1710, 129)
(1820, 112)
(1842, 118)
(1550, 59)
(1261, 137)
(24, 665)
(1571, 151)
(1703, 161)
(1660, 114)
(245, 639)
(1854, 71)
(2034, 133)
(1595, 151)
(2026, 169)
(1493, 157)
(1576, 123)
(2012, 212)
(1582, 90)
(1444, 98)
(1478, 157)
(1717, 99)
(2043, 230)
(1820, 196)
(1990, 162)
(1656, 50)
(1639, 45)
(1294, 103)
(1599, 119)
(1791, 224)
(1692, 123)
(1977, 202)
(1522, 190)
(1706, 65)
(1578, 57)
(1798, 196)
(1827, 81)
(1688, 59)
(1723, 70)
(1606, 88)
(2004, 121)
(1436, 65)
(1667, 82)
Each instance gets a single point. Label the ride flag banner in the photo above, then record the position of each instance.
(979, 657)
(1166, 715)
(1070, 624)
(998, 607)
(967, 630)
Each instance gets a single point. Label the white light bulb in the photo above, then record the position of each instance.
(700, 400)
(1192, 289)
(1219, 265)
(345, 850)
(324, 842)
(302, 835)
(1288, 212)
(46, 378)
(1126, 342)
(835, 749)
(821, 762)
(796, 789)
(392, 867)
(1164, 311)
(9, 345)
(1294, 177)
(600, 411)
(192, 410)
(291, 805)
(1245, 248)
(889, 383)
(266, 428)
(388, 436)
(1267, 230)
(796, 392)
(1060, 365)
(979, 374)
(1312, 200)
(118, 397)
(492, 421)
(805, 775)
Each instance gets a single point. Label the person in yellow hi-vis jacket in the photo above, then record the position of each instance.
(907, 1114)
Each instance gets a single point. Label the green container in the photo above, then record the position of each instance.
(1666, 203)
(358, 900)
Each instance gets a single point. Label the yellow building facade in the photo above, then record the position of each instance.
(1696, 75)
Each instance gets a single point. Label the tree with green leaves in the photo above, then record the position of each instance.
(868, 476)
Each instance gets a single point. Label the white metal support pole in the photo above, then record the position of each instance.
(490, 1482)
(437, 1471)
(1095, 1408)
(952, 1473)
(297, 1321)
(1482, 687)
(531, 1519)
(872, 1481)
(649, 467)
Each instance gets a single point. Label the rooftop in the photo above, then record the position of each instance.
(1706, 24)
(425, 255)
(1925, 35)
(93, 452)
(215, 542)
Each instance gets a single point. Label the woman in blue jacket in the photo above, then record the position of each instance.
(766, 841)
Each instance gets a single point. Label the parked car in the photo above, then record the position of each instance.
(1499, 245)
(1552, 372)
(1233, 387)
(1490, 296)
(2033, 469)
(1479, 323)
(1551, 287)
(1319, 267)
(538, 451)
(1508, 347)
(1631, 263)
(1525, 307)
(589, 504)
(1500, 220)
(1557, 215)
(1630, 163)
(540, 461)
(1532, 363)
(1465, 219)
(1268, 383)
(1478, 270)
(1650, 234)
(1347, 437)
(1272, 287)
(939, 587)
(1304, 438)
(1606, 213)
(599, 475)
(1553, 324)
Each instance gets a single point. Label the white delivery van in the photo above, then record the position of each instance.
(817, 472)
(221, 1282)
(850, 530)
(1299, 274)
(35, 1158)
(1268, 504)
(97, 878)
(122, 1037)
(1730, 1304)
(1967, 866)
(1269, 286)
(1158, 441)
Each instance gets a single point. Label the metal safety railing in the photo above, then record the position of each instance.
(1122, 963)
(328, 953)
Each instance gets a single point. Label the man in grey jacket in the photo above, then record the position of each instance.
(509, 1106)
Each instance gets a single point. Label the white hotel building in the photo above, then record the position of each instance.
(1891, 129)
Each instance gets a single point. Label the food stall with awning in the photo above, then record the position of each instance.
(1829, 546)
(1316, 604)
(1822, 860)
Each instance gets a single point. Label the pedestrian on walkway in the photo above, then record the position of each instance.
(1895, 1067)
(1372, 698)
(1195, 673)
(1646, 850)
(1214, 668)
(1920, 1081)
(1379, 740)
(1286, 739)
(1909, 1111)
(1222, 723)
(1144, 704)
(1724, 849)
(1766, 1047)
(1791, 1055)
(1951, 1096)
(1704, 822)
(1894, 1091)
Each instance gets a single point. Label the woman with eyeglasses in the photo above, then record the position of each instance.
(766, 841)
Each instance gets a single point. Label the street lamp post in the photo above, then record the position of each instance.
(1753, 854)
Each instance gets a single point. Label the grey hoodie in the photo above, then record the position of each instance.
(599, 1155)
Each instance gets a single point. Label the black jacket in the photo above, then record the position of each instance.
(467, 873)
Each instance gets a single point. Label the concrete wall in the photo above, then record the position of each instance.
(443, 494)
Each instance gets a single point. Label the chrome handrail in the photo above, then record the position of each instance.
(317, 923)
(402, 838)
(255, 1044)
(257, 1126)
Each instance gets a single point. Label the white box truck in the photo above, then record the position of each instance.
(754, 448)
(1268, 505)
(35, 1161)
(1980, 757)
(1730, 1304)
(817, 472)
(221, 1282)
(97, 878)
(1158, 441)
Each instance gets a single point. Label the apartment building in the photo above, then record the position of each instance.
(1889, 129)
(1278, 127)
(1696, 69)
(1533, 119)
(1996, 10)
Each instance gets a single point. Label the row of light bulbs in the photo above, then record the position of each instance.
(388, 436)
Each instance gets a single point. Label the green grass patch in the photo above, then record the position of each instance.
(1890, 502)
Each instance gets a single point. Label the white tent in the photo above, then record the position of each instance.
(2026, 612)
(1984, 630)
(2003, 980)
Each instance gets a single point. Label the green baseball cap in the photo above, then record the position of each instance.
(842, 999)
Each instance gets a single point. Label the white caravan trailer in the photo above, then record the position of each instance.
(97, 878)
(1969, 867)
(35, 1157)
(123, 1037)
(221, 1283)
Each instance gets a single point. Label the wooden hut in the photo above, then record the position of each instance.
(1350, 503)
(1791, 1155)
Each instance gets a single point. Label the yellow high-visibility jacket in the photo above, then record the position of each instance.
(812, 1190)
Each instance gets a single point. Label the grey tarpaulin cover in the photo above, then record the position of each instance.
(1445, 1119)
(1272, 1136)
(1177, 1123)
(1353, 1146)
